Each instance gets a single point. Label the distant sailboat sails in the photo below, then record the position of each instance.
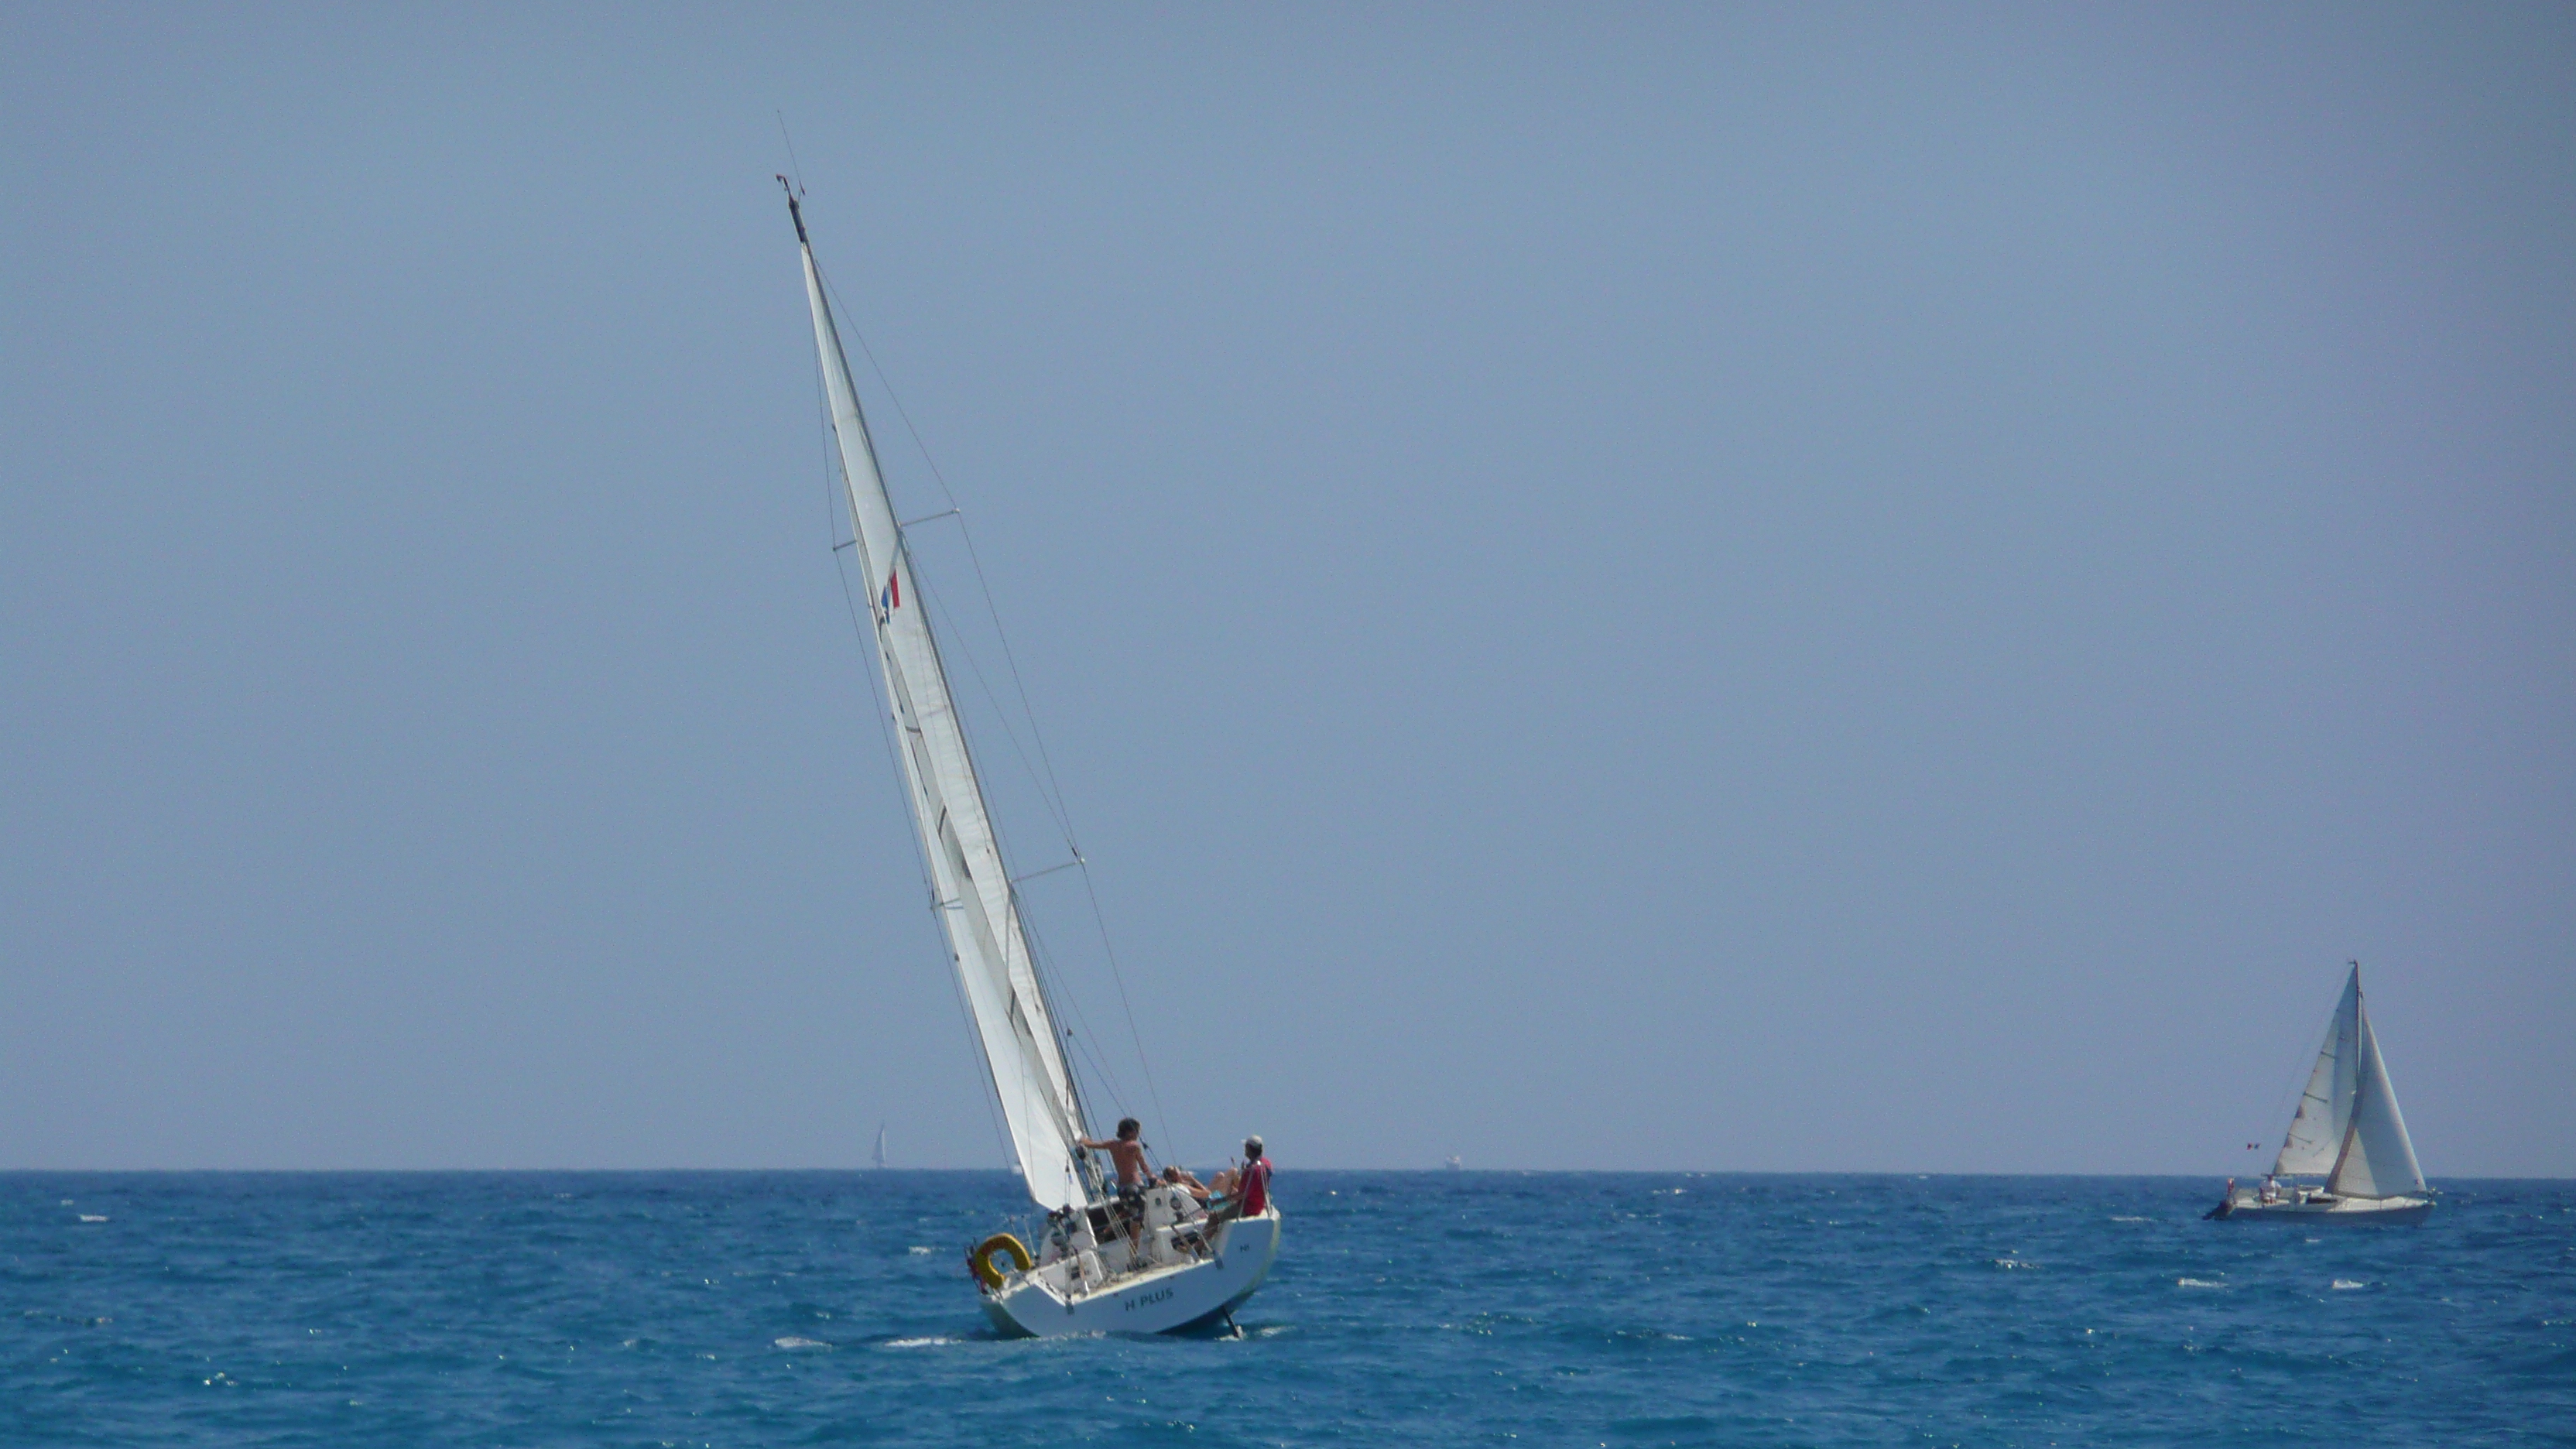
(2348, 1130)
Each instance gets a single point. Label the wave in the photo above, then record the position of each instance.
(2349, 1283)
(793, 1342)
(921, 1342)
(2196, 1283)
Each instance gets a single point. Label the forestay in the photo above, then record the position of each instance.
(985, 940)
(2325, 1110)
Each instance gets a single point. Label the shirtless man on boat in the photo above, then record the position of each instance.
(1127, 1150)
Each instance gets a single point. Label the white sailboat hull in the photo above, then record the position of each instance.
(2248, 1205)
(1182, 1297)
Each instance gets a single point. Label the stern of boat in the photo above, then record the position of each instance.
(1187, 1297)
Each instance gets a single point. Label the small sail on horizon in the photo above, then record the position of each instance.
(880, 1152)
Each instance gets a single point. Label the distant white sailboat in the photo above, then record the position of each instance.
(2348, 1131)
(1150, 1263)
(879, 1155)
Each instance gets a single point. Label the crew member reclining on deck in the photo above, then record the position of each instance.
(1180, 1177)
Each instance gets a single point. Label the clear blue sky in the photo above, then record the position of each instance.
(1794, 587)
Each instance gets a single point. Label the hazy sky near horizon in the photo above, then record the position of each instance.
(1666, 587)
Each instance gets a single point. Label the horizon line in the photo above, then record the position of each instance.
(1004, 1172)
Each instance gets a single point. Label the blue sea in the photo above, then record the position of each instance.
(780, 1308)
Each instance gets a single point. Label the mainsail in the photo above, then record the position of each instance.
(975, 901)
(2317, 1132)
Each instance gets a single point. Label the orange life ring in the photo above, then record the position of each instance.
(980, 1261)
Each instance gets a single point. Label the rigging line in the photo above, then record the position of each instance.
(1161, 1124)
(1011, 661)
(895, 398)
(965, 733)
(1050, 791)
(1010, 656)
(930, 599)
(1063, 1007)
(793, 169)
(1050, 870)
(1052, 795)
(932, 602)
(1057, 805)
(1099, 1070)
(1038, 951)
(883, 710)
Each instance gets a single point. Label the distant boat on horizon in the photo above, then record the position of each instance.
(2348, 1131)
(879, 1156)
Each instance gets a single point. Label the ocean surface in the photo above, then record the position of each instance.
(756, 1308)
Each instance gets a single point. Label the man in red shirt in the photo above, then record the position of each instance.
(1253, 1183)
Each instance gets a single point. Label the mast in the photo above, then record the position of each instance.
(1023, 1051)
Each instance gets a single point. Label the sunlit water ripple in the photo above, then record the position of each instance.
(794, 1308)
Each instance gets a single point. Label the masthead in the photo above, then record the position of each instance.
(792, 210)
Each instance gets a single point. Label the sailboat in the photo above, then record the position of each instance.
(879, 1155)
(2348, 1131)
(1103, 1262)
